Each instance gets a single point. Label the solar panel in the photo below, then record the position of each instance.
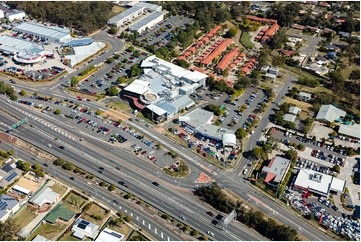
(3, 206)
(116, 235)
(84, 222)
(82, 226)
(9, 178)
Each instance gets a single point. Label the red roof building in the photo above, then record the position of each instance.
(262, 20)
(298, 26)
(222, 65)
(193, 49)
(242, 55)
(181, 57)
(245, 70)
(205, 39)
(215, 30)
(287, 52)
(270, 32)
(222, 47)
(198, 69)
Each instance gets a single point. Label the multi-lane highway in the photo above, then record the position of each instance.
(167, 198)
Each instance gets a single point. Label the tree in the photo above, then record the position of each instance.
(99, 112)
(187, 228)
(59, 162)
(121, 79)
(291, 155)
(205, 237)
(23, 165)
(336, 168)
(57, 112)
(8, 230)
(241, 133)
(74, 81)
(183, 63)
(128, 196)
(116, 56)
(258, 153)
(22, 93)
(354, 75)
(135, 70)
(112, 188)
(113, 91)
(195, 233)
(110, 60)
(112, 30)
(68, 166)
(128, 218)
(300, 147)
(232, 32)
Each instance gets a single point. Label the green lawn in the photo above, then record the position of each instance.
(58, 189)
(137, 234)
(246, 40)
(74, 199)
(48, 231)
(313, 89)
(119, 106)
(24, 216)
(67, 237)
(124, 229)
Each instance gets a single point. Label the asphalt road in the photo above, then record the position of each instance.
(168, 200)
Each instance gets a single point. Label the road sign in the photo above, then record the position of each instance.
(225, 221)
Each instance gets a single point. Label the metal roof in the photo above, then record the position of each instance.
(350, 130)
(137, 7)
(145, 21)
(109, 235)
(199, 117)
(157, 110)
(277, 166)
(46, 31)
(12, 44)
(329, 113)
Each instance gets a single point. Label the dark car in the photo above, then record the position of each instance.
(210, 213)
(71, 178)
(61, 147)
(155, 183)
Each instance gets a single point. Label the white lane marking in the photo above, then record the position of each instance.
(155, 230)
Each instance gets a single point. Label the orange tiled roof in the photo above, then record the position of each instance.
(217, 51)
(227, 59)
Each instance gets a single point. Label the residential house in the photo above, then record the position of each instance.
(329, 114)
(8, 174)
(270, 76)
(274, 70)
(45, 195)
(331, 55)
(294, 110)
(317, 69)
(289, 117)
(8, 206)
(321, 60)
(304, 96)
(344, 34)
(83, 228)
(276, 170)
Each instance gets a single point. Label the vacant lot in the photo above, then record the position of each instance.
(74, 200)
(95, 214)
(313, 89)
(28, 182)
(123, 107)
(24, 216)
(49, 231)
(246, 40)
(59, 189)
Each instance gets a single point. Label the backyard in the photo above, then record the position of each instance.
(59, 189)
(67, 237)
(124, 229)
(24, 216)
(95, 214)
(49, 231)
(74, 202)
(305, 107)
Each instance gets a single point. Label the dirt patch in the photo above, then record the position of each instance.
(112, 114)
(7, 138)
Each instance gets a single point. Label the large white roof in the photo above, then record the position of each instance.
(350, 130)
(46, 31)
(138, 86)
(199, 117)
(229, 139)
(157, 110)
(172, 69)
(16, 45)
(329, 113)
(314, 181)
(338, 185)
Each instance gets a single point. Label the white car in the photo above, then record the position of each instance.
(210, 233)
(49, 145)
(8, 101)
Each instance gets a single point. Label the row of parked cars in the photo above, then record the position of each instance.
(328, 157)
(303, 163)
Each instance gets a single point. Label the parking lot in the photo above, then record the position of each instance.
(88, 122)
(108, 75)
(157, 37)
(251, 98)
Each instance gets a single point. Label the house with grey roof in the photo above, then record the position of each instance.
(329, 113)
(45, 195)
(276, 170)
(304, 96)
(8, 206)
(352, 130)
(8, 174)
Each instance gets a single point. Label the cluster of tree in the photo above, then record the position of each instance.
(5, 154)
(278, 39)
(241, 133)
(308, 82)
(87, 70)
(206, 13)
(135, 70)
(26, 166)
(112, 91)
(219, 85)
(267, 227)
(8, 230)
(64, 164)
(85, 17)
(183, 63)
(284, 13)
(213, 108)
(185, 37)
(245, 82)
(8, 90)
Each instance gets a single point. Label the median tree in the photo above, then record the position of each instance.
(113, 91)
(121, 79)
(22, 93)
(57, 112)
